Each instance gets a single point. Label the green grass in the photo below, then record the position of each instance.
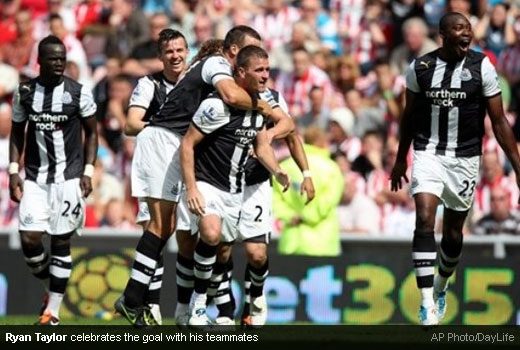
(76, 321)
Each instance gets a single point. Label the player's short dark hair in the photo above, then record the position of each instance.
(248, 52)
(55, 16)
(48, 40)
(169, 34)
(237, 36)
(447, 19)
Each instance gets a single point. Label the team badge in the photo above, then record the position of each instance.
(209, 113)
(66, 98)
(175, 190)
(465, 75)
(28, 219)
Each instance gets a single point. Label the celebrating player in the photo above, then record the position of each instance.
(214, 172)
(448, 93)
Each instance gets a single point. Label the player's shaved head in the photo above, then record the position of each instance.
(448, 19)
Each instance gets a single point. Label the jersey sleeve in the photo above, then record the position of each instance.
(215, 69)
(283, 104)
(490, 85)
(87, 106)
(411, 79)
(143, 93)
(211, 115)
(268, 97)
(18, 111)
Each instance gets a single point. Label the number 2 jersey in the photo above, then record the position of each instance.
(221, 156)
(54, 147)
(451, 102)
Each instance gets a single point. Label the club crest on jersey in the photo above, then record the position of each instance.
(465, 75)
(175, 190)
(209, 113)
(66, 98)
(28, 219)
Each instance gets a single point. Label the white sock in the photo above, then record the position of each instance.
(440, 283)
(54, 304)
(427, 297)
(181, 309)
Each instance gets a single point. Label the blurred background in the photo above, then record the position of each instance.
(340, 65)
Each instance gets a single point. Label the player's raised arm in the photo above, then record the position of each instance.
(265, 155)
(16, 145)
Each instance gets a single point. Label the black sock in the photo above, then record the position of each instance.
(258, 276)
(37, 260)
(450, 253)
(147, 253)
(246, 311)
(224, 299)
(60, 267)
(205, 258)
(424, 256)
(185, 278)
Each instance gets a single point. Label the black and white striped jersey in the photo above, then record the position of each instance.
(221, 156)
(451, 102)
(150, 92)
(54, 147)
(172, 105)
(255, 172)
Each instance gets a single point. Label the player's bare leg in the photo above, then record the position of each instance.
(424, 254)
(450, 252)
(186, 243)
(205, 257)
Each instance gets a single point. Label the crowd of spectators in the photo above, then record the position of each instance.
(340, 65)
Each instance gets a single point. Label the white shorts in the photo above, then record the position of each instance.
(451, 179)
(256, 218)
(223, 204)
(156, 166)
(52, 208)
(183, 214)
